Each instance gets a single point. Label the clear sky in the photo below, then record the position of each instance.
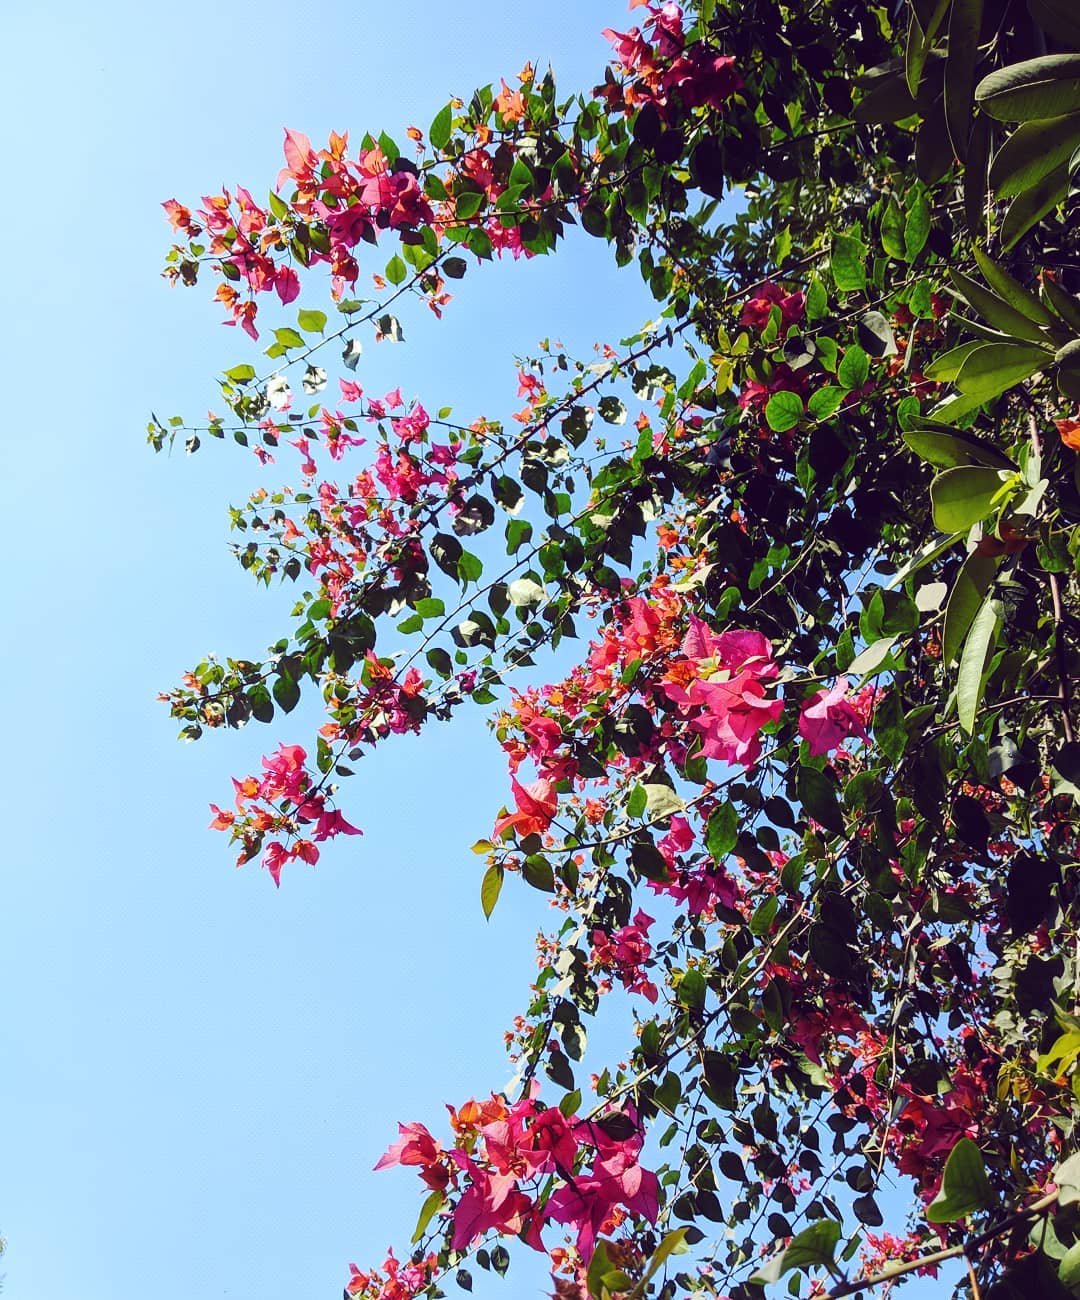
(199, 1071)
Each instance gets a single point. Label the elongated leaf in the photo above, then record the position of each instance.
(977, 648)
(965, 600)
(1048, 86)
(945, 448)
(975, 177)
(995, 310)
(1065, 304)
(916, 224)
(490, 888)
(888, 101)
(1014, 293)
(892, 229)
(965, 1187)
(933, 149)
(849, 263)
(995, 367)
(1031, 206)
(963, 496)
(965, 19)
(1033, 151)
(920, 40)
(947, 366)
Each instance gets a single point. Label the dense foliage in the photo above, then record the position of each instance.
(808, 797)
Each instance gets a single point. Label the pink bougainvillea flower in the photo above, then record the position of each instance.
(757, 310)
(536, 806)
(828, 718)
(287, 284)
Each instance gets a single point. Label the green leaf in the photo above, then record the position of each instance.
(286, 692)
(432, 1204)
(662, 801)
(1033, 151)
(1067, 1177)
(1048, 86)
(848, 263)
(995, 311)
(817, 300)
(1066, 305)
(242, 374)
(917, 225)
(813, 1247)
(870, 659)
(612, 410)
(963, 496)
(892, 231)
(783, 411)
(945, 447)
(721, 831)
(635, 805)
(1014, 293)
(980, 642)
(854, 367)
(288, 337)
(993, 368)
(1030, 207)
(969, 591)
(1069, 1268)
(490, 888)
(947, 365)
(439, 131)
(817, 794)
(826, 401)
(311, 322)
(396, 270)
(965, 20)
(965, 1187)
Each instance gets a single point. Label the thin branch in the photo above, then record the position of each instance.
(939, 1256)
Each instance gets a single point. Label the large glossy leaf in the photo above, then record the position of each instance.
(946, 447)
(965, 600)
(977, 648)
(947, 366)
(1031, 206)
(1066, 305)
(887, 101)
(1014, 293)
(975, 177)
(965, 19)
(995, 310)
(1037, 88)
(964, 496)
(1033, 151)
(993, 368)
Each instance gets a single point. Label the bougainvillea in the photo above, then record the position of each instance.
(806, 801)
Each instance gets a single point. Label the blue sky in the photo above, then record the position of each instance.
(200, 1070)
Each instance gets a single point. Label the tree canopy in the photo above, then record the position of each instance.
(806, 799)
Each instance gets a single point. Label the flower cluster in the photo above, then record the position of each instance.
(503, 1151)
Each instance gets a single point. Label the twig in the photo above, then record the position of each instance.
(939, 1256)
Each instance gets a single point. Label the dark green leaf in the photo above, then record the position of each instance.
(965, 1187)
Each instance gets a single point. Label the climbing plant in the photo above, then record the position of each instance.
(807, 797)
